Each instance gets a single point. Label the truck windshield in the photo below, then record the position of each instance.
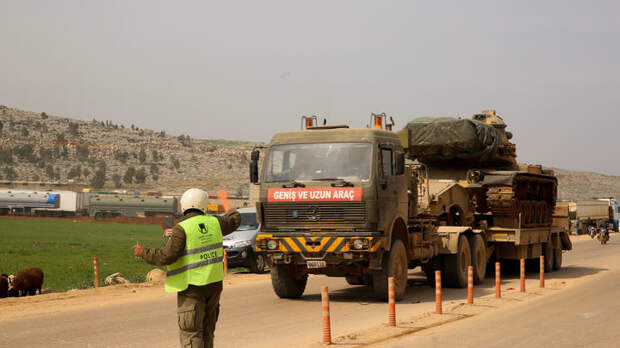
(322, 161)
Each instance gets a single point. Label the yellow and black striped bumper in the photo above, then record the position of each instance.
(332, 244)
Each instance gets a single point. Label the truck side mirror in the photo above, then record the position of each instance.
(254, 166)
(399, 163)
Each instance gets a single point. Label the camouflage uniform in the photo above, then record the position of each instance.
(198, 306)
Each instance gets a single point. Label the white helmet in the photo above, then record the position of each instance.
(194, 199)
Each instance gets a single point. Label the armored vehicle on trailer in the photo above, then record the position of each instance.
(471, 178)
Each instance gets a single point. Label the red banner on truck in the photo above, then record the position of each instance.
(315, 194)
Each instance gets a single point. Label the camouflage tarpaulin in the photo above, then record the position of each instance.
(447, 140)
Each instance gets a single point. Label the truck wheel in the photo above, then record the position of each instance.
(478, 257)
(455, 265)
(286, 282)
(394, 265)
(354, 280)
(429, 268)
(549, 253)
(258, 264)
(557, 259)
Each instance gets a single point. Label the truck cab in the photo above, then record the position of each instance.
(333, 200)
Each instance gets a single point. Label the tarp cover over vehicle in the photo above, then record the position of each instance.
(441, 141)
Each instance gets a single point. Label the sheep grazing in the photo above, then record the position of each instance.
(4, 286)
(27, 282)
(11, 291)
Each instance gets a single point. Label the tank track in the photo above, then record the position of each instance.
(530, 200)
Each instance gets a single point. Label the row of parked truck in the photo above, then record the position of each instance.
(368, 204)
(592, 213)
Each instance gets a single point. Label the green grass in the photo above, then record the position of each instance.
(64, 250)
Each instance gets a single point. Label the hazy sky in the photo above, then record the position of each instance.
(244, 70)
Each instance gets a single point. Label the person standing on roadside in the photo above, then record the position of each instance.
(194, 258)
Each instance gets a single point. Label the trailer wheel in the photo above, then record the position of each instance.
(394, 265)
(286, 282)
(455, 265)
(549, 253)
(429, 268)
(557, 259)
(478, 257)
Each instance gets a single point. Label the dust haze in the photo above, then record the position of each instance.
(246, 70)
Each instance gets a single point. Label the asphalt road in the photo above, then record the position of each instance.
(251, 315)
(585, 315)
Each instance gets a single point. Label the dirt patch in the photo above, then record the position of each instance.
(75, 299)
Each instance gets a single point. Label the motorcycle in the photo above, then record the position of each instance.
(603, 235)
(592, 231)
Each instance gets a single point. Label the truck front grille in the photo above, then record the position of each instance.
(314, 214)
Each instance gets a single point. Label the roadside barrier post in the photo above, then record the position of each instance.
(391, 302)
(470, 285)
(498, 281)
(522, 275)
(327, 331)
(542, 271)
(96, 270)
(438, 308)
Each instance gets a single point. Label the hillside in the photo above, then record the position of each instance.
(576, 185)
(44, 147)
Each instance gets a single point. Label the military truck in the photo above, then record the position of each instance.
(351, 203)
(593, 213)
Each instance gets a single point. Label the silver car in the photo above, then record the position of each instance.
(240, 245)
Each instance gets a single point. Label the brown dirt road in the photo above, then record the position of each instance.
(143, 315)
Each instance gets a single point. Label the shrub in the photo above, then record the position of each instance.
(129, 174)
(116, 178)
(142, 156)
(74, 129)
(83, 152)
(140, 176)
(6, 156)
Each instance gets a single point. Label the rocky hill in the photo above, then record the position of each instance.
(575, 185)
(43, 147)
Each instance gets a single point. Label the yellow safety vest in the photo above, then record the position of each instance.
(202, 260)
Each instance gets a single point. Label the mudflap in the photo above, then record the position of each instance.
(566, 242)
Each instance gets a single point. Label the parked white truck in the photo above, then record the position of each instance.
(594, 213)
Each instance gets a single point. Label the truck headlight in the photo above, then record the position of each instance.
(272, 244)
(242, 244)
(358, 244)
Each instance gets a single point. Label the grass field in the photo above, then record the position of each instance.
(64, 250)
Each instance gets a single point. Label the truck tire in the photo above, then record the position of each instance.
(394, 265)
(429, 268)
(549, 252)
(478, 257)
(258, 264)
(358, 280)
(557, 259)
(354, 280)
(455, 265)
(286, 282)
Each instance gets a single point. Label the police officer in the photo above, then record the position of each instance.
(195, 269)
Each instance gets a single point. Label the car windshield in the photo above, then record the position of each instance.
(323, 161)
(248, 222)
